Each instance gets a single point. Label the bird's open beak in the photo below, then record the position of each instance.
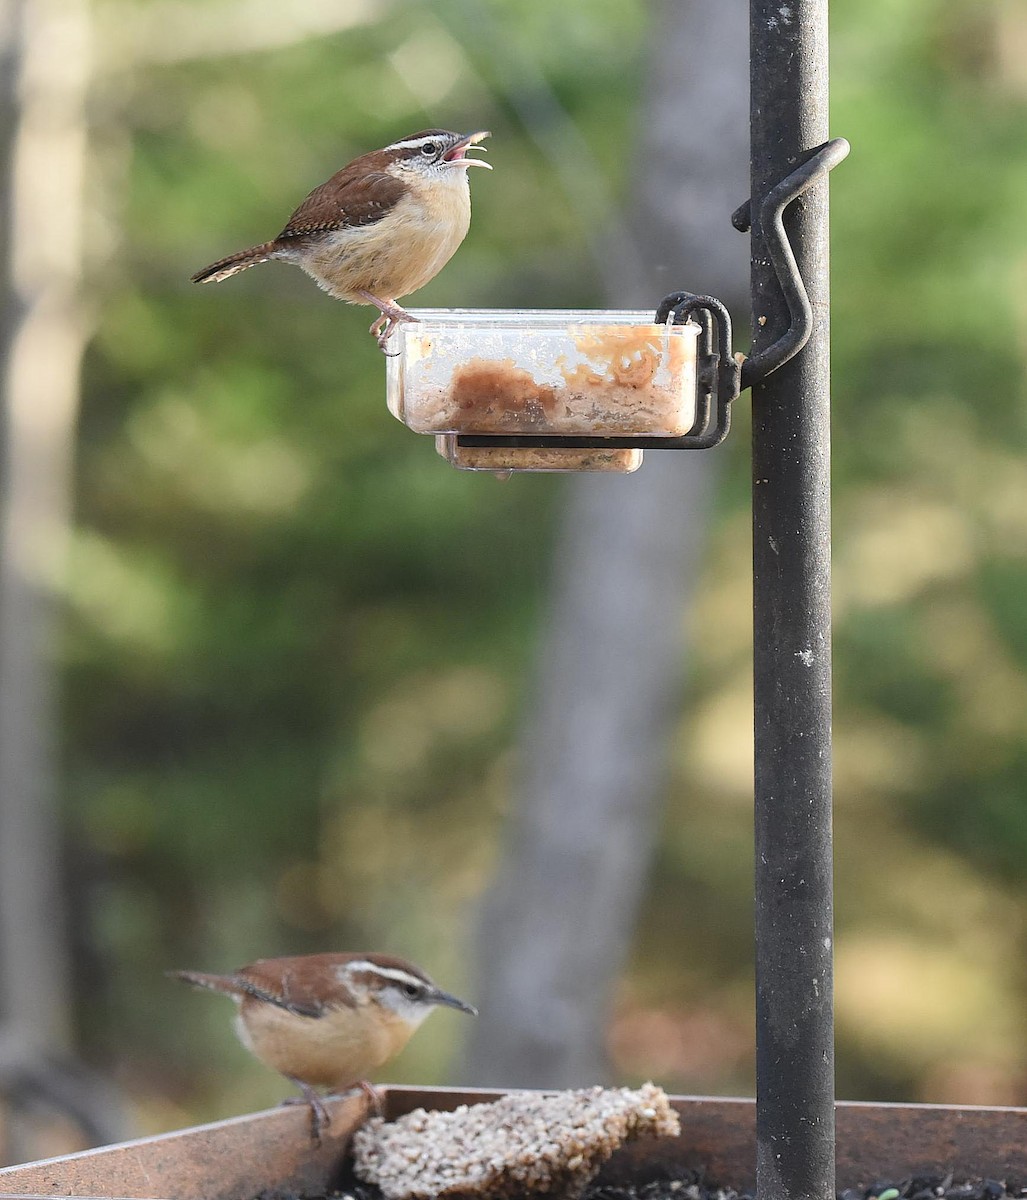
(458, 155)
(436, 996)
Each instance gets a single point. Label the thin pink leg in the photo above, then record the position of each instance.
(391, 315)
(372, 1093)
(319, 1115)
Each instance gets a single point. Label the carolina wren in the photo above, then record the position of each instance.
(327, 1020)
(380, 228)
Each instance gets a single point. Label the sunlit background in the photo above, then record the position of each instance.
(278, 704)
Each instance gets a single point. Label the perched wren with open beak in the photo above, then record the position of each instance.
(327, 1020)
(380, 228)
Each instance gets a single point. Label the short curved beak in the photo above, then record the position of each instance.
(457, 156)
(437, 996)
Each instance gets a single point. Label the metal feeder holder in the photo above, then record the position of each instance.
(564, 390)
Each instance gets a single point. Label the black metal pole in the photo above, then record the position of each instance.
(792, 629)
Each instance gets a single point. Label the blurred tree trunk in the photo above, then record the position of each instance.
(177, 31)
(43, 335)
(49, 50)
(558, 922)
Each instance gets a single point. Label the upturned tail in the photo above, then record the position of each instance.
(234, 263)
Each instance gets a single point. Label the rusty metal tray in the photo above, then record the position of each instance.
(242, 1156)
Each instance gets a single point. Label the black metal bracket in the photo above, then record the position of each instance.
(718, 373)
(720, 376)
(812, 169)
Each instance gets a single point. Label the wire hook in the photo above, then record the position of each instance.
(821, 160)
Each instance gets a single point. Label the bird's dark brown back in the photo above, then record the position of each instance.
(358, 195)
(307, 984)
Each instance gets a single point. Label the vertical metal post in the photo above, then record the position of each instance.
(792, 630)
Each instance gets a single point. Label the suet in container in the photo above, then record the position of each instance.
(552, 373)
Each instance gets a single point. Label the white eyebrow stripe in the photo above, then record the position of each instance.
(416, 143)
(393, 973)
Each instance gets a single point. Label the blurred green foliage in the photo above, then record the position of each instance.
(297, 644)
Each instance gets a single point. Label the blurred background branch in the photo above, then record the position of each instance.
(518, 80)
(169, 31)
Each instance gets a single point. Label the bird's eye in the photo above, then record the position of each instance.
(430, 149)
(411, 991)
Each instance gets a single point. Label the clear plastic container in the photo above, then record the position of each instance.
(560, 372)
(503, 459)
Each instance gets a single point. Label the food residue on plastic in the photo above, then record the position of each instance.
(619, 379)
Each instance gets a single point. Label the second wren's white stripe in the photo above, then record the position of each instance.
(393, 973)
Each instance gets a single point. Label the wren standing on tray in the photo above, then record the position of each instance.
(327, 1020)
(380, 228)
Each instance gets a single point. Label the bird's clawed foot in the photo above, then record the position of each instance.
(372, 1093)
(391, 316)
(320, 1118)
